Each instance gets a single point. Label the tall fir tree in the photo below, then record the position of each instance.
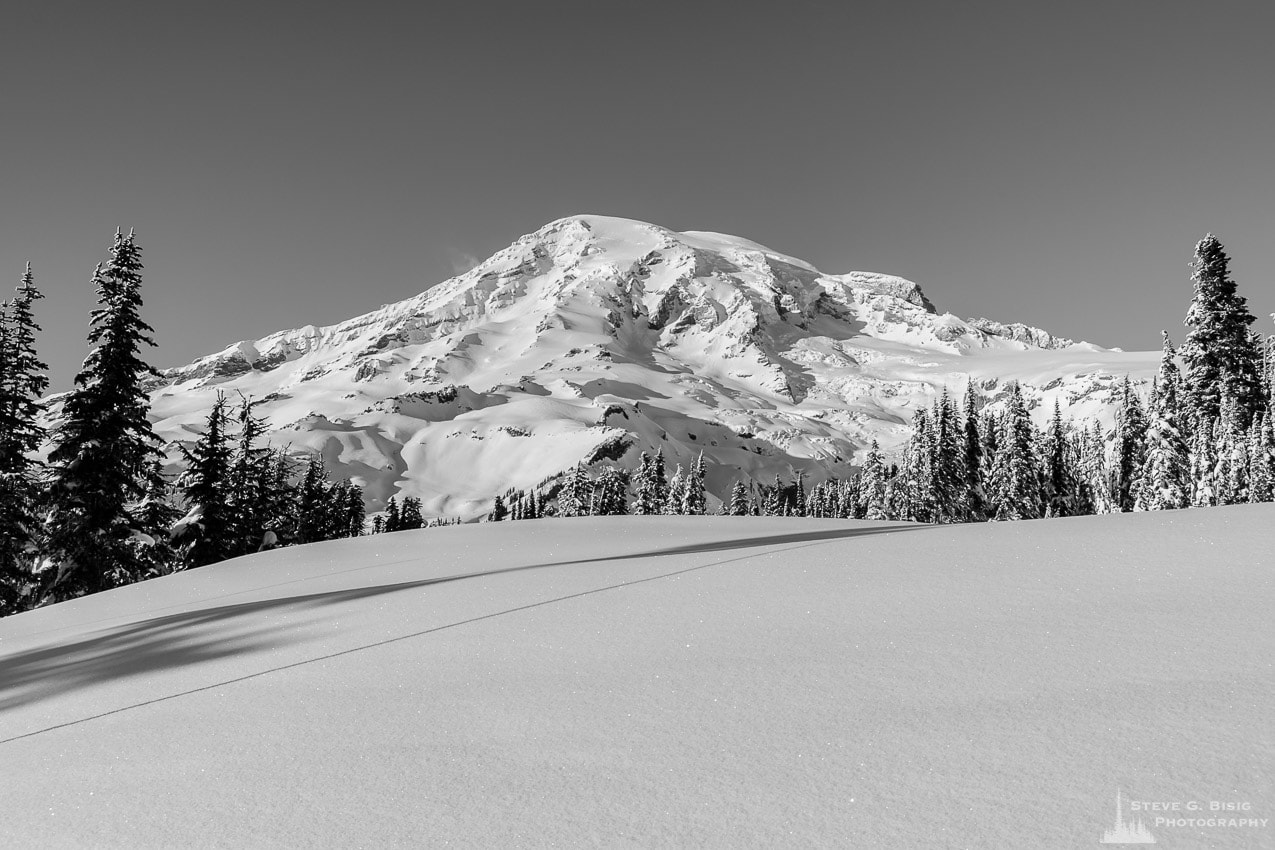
(1166, 472)
(1129, 447)
(1016, 486)
(207, 533)
(693, 496)
(23, 381)
(1059, 472)
(1218, 353)
(739, 505)
(872, 486)
(104, 445)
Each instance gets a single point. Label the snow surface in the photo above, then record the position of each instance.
(598, 337)
(658, 682)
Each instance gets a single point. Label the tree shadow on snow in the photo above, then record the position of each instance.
(190, 638)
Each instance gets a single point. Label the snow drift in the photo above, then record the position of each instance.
(657, 681)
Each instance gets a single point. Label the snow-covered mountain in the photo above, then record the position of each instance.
(595, 338)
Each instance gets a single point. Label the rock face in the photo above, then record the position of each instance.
(595, 338)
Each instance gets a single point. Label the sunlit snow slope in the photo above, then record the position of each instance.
(675, 682)
(595, 338)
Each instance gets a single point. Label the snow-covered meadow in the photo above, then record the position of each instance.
(659, 682)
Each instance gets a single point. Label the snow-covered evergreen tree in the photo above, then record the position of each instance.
(1129, 448)
(610, 495)
(498, 510)
(1016, 489)
(1166, 473)
(207, 534)
(872, 485)
(1218, 352)
(646, 501)
(1261, 453)
(22, 383)
(1059, 473)
(104, 445)
(675, 502)
(739, 505)
(574, 495)
(693, 497)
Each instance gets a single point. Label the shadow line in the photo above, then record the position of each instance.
(138, 649)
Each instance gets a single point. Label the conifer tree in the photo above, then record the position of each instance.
(1015, 475)
(355, 511)
(410, 514)
(872, 485)
(104, 445)
(1060, 483)
(207, 532)
(498, 510)
(1261, 451)
(972, 445)
(1130, 448)
(313, 521)
(739, 500)
(644, 495)
(22, 383)
(1166, 474)
(573, 497)
(611, 493)
(1218, 353)
(693, 500)
(675, 503)
(252, 498)
(948, 480)
(659, 479)
(393, 520)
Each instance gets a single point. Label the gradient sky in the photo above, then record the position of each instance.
(289, 164)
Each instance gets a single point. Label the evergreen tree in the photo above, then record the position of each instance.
(972, 447)
(1016, 486)
(739, 500)
(1218, 353)
(872, 486)
(498, 510)
(206, 534)
(393, 521)
(573, 497)
(675, 502)
(645, 502)
(611, 493)
(948, 480)
(1166, 472)
(1130, 448)
(313, 518)
(410, 514)
(659, 479)
(104, 445)
(1261, 453)
(355, 512)
(252, 498)
(693, 500)
(22, 382)
(1060, 483)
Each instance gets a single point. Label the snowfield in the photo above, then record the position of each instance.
(659, 682)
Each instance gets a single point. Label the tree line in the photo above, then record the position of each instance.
(101, 511)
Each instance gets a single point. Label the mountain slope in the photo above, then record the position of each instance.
(663, 681)
(598, 337)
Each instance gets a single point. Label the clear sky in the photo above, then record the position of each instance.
(299, 163)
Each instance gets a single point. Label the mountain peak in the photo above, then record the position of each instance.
(596, 337)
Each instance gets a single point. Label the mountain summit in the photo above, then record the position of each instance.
(595, 338)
